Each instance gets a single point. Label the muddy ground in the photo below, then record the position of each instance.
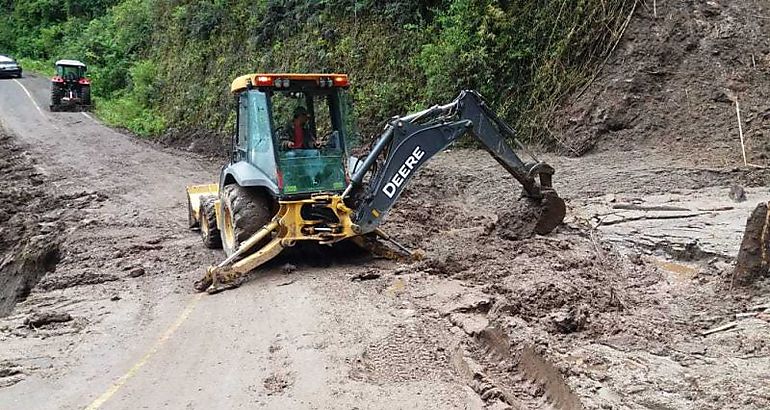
(31, 221)
(621, 321)
(570, 319)
(629, 304)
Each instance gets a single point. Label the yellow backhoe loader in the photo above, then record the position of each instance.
(290, 179)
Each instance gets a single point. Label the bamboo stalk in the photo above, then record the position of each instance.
(740, 132)
(609, 54)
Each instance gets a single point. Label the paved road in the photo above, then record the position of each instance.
(280, 341)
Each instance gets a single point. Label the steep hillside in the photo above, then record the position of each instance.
(673, 82)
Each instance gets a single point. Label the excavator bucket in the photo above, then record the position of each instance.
(194, 195)
(552, 213)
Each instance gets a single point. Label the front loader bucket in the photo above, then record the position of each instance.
(194, 195)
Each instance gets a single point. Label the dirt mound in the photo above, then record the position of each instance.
(518, 222)
(199, 141)
(29, 228)
(470, 231)
(673, 81)
(571, 294)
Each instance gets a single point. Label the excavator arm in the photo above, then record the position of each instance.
(409, 142)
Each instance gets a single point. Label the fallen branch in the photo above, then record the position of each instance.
(634, 207)
(599, 253)
(717, 209)
(647, 217)
(722, 328)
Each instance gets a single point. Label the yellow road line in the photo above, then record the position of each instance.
(29, 95)
(147, 356)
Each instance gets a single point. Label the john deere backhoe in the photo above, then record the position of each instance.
(276, 191)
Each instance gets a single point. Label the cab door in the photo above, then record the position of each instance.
(260, 141)
(241, 142)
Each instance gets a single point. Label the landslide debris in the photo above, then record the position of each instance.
(198, 141)
(38, 319)
(753, 261)
(673, 82)
(517, 222)
(584, 307)
(29, 226)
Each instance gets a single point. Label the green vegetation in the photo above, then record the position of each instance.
(157, 63)
(36, 66)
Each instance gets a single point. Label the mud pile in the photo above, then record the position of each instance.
(673, 81)
(198, 141)
(29, 226)
(566, 295)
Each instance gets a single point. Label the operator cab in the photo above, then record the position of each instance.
(293, 129)
(70, 70)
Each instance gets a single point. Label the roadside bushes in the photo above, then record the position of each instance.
(176, 59)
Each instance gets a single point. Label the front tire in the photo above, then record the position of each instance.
(245, 211)
(209, 229)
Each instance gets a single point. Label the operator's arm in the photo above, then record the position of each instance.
(285, 137)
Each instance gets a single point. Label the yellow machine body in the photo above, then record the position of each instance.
(286, 228)
(194, 195)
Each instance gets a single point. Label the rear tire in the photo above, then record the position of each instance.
(86, 95)
(56, 95)
(209, 229)
(245, 211)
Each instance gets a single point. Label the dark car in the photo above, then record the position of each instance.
(9, 67)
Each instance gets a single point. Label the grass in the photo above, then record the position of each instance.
(43, 68)
(125, 112)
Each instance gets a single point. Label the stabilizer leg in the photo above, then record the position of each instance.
(377, 248)
(227, 277)
(223, 275)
